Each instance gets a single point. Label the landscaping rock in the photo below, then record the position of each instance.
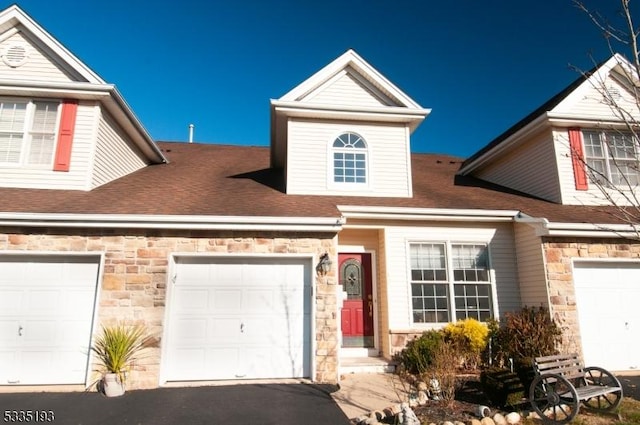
(458, 423)
(422, 398)
(475, 422)
(499, 419)
(513, 418)
(487, 421)
(447, 423)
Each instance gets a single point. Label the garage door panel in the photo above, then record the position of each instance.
(225, 330)
(46, 314)
(226, 299)
(256, 317)
(189, 299)
(606, 298)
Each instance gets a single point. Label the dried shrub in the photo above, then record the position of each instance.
(470, 338)
(443, 368)
(418, 355)
(526, 334)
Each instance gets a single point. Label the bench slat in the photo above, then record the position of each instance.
(594, 391)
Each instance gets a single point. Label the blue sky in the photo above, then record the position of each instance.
(480, 65)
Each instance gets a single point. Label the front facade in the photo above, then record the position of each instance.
(237, 290)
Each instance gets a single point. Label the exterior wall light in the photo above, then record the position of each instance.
(324, 265)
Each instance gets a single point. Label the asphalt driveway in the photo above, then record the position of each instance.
(259, 404)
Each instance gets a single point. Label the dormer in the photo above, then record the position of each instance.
(61, 125)
(580, 148)
(346, 130)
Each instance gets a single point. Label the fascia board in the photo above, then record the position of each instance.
(349, 58)
(388, 113)
(569, 120)
(14, 15)
(400, 213)
(506, 144)
(132, 221)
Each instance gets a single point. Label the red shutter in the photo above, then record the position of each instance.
(577, 157)
(65, 135)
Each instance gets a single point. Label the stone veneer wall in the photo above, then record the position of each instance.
(134, 278)
(559, 253)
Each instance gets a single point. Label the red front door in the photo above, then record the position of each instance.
(357, 308)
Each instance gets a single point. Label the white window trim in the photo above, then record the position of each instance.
(450, 280)
(27, 131)
(347, 186)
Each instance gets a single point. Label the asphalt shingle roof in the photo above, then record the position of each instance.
(224, 180)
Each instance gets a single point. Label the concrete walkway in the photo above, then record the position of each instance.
(359, 394)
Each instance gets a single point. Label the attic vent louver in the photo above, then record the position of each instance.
(15, 55)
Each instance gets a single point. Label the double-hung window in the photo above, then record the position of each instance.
(28, 132)
(450, 282)
(612, 157)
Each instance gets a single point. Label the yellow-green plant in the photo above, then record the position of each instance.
(470, 337)
(117, 347)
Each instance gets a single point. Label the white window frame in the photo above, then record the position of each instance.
(28, 132)
(451, 283)
(610, 165)
(332, 183)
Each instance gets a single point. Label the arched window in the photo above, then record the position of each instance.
(349, 159)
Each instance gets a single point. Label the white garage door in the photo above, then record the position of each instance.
(46, 313)
(607, 296)
(238, 319)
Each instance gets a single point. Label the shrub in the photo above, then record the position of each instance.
(524, 335)
(470, 338)
(418, 355)
(444, 367)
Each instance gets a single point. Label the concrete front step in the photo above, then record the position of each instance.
(350, 365)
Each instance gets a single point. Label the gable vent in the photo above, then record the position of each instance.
(15, 55)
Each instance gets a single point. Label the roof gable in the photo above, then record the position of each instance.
(14, 20)
(568, 107)
(351, 64)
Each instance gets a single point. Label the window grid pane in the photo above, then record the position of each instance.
(12, 120)
(473, 301)
(349, 159)
(612, 157)
(430, 303)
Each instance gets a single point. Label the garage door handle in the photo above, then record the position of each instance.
(19, 330)
(241, 327)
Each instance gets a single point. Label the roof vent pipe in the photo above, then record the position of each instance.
(191, 133)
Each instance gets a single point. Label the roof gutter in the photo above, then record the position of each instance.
(425, 214)
(544, 227)
(181, 222)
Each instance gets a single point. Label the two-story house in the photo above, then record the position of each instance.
(319, 254)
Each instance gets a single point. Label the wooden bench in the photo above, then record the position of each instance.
(562, 383)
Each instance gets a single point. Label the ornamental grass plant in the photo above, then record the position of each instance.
(117, 348)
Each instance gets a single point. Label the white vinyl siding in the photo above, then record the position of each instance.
(503, 273)
(115, 154)
(531, 169)
(587, 102)
(345, 90)
(310, 159)
(531, 267)
(38, 66)
(46, 178)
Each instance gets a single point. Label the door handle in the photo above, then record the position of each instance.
(370, 308)
(20, 330)
(241, 327)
